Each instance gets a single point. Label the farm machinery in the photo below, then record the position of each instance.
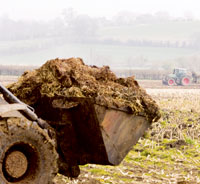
(180, 76)
(73, 131)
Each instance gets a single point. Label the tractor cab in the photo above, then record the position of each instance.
(180, 71)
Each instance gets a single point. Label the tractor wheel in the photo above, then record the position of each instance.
(27, 154)
(171, 82)
(164, 82)
(185, 81)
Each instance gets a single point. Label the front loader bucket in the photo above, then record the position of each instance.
(92, 133)
(120, 131)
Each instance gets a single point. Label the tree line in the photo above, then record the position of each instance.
(142, 74)
(11, 70)
(73, 27)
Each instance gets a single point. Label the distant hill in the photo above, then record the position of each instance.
(160, 31)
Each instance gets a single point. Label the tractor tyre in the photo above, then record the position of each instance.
(164, 82)
(171, 82)
(27, 154)
(185, 81)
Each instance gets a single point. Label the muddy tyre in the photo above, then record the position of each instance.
(171, 82)
(185, 81)
(27, 154)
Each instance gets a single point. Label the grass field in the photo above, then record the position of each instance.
(94, 54)
(167, 30)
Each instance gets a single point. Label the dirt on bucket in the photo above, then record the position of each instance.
(72, 78)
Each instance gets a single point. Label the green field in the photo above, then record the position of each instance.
(171, 30)
(96, 54)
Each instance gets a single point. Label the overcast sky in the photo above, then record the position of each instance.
(49, 9)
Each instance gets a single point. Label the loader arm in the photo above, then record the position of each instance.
(26, 110)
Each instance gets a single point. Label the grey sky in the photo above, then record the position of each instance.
(49, 9)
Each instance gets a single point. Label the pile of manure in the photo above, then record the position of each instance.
(72, 78)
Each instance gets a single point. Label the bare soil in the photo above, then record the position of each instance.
(5, 79)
